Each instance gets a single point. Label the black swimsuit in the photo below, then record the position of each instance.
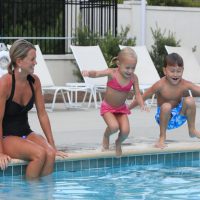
(15, 121)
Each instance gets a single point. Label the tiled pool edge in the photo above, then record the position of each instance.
(84, 161)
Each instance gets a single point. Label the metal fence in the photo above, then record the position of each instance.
(53, 24)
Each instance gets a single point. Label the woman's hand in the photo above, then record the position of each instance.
(4, 160)
(61, 154)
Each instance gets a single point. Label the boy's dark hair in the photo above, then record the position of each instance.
(173, 59)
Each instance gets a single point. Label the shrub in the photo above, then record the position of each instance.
(159, 52)
(110, 44)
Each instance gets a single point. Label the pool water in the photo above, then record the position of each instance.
(150, 182)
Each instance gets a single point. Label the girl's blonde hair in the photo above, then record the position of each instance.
(125, 52)
(19, 49)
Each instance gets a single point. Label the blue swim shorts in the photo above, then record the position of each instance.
(176, 118)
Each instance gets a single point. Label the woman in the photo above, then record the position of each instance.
(19, 90)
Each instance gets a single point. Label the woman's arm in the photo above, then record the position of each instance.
(41, 112)
(4, 159)
(43, 117)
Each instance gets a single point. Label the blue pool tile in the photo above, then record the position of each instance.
(175, 159)
(189, 156)
(60, 166)
(195, 155)
(23, 168)
(132, 160)
(183, 159)
(139, 160)
(17, 170)
(8, 171)
(93, 164)
(168, 159)
(108, 162)
(116, 162)
(100, 163)
(154, 159)
(85, 164)
(68, 165)
(161, 158)
(1, 173)
(76, 165)
(124, 161)
(146, 160)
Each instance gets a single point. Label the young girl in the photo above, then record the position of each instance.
(113, 108)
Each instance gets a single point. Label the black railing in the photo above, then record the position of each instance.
(53, 23)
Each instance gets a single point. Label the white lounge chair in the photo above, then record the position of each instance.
(4, 61)
(48, 86)
(145, 69)
(91, 58)
(191, 66)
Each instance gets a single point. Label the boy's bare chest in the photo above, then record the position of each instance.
(171, 93)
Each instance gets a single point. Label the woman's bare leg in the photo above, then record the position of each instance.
(19, 148)
(49, 151)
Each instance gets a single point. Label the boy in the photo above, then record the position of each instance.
(173, 108)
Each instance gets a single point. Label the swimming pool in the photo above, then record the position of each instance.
(133, 182)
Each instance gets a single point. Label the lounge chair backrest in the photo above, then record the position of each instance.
(145, 69)
(90, 58)
(41, 69)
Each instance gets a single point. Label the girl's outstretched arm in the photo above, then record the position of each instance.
(147, 94)
(95, 73)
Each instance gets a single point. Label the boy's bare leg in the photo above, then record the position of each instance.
(165, 114)
(189, 110)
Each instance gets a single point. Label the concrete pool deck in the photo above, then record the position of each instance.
(80, 132)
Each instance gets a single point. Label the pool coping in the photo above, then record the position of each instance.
(138, 154)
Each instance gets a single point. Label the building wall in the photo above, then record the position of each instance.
(183, 22)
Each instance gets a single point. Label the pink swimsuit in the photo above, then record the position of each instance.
(123, 109)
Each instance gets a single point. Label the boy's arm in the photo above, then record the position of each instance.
(138, 96)
(147, 94)
(95, 73)
(194, 88)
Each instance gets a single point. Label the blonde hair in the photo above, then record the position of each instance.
(19, 49)
(127, 52)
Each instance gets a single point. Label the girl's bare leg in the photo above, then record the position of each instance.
(124, 132)
(49, 152)
(112, 127)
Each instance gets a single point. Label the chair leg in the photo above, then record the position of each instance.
(90, 99)
(54, 99)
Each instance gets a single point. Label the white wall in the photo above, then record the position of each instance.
(183, 22)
